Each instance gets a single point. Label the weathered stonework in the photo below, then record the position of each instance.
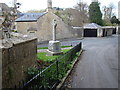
(44, 28)
(18, 54)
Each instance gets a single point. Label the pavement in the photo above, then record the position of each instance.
(64, 42)
(98, 65)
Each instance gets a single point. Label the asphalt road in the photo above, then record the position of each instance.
(98, 65)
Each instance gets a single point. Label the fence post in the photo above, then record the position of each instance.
(57, 70)
(80, 45)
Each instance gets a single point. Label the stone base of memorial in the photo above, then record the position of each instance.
(54, 48)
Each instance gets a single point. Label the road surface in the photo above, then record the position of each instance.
(98, 65)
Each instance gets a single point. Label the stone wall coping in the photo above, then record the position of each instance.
(8, 43)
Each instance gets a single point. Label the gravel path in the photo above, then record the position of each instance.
(45, 50)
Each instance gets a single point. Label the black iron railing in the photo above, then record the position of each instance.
(51, 76)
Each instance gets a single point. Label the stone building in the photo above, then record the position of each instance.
(17, 54)
(40, 25)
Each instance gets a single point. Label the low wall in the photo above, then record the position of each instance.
(107, 30)
(77, 32)
(16, 60)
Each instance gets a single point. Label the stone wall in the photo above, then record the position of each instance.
(16, 59)
(77, 32)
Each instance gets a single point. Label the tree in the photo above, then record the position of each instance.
(66, 15)
(76, 16)
(73, 17)
(82, 7)
(95, 14)
(9, 16)
(114, 20)
(108, 13)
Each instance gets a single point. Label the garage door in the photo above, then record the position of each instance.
(90, 32)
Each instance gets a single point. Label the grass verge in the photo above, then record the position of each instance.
(43, 56)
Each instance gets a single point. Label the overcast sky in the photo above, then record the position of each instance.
(42, 4)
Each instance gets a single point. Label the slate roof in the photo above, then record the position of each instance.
(30, 17)
(92, 26)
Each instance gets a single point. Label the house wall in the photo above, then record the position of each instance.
(22, 27)
(16, 60)
(44, 28)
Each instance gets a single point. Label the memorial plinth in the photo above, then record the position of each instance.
(54, 48)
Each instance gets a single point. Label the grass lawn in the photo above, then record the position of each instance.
(42, 56)
(47, 47)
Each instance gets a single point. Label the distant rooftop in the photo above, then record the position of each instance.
(28, 17)
(92, 26)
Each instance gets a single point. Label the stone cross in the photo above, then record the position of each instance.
(54, 29)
